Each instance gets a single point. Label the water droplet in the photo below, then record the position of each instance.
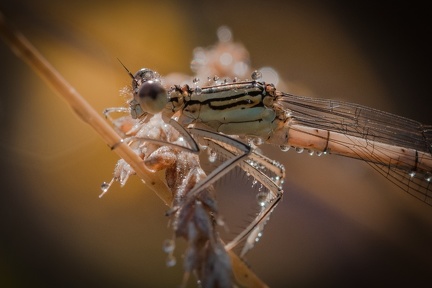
(258, 141)
(261, 198)
(215, 78)
(256, 75)
(299, 149)
(284, 148)
(311, 152)
(212, 156)
(105, 186)
(195, 80)
(168, 245)
(235, 79)
(171, 260)
(428, 177)
(198, 90)
(319, 153)
(412, 174)
(254, 182)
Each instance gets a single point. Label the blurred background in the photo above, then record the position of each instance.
(339, 224)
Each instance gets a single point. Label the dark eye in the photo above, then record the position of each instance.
(150, 89)
(151, 96)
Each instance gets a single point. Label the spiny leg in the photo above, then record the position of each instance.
(239, 153)
(255, 165)
(226, 166)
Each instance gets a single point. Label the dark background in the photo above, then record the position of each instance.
(339, 224)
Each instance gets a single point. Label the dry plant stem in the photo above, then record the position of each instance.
(29, 54)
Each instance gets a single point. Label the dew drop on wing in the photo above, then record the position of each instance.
(284, 148)
(299, 149)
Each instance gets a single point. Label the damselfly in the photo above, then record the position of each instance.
(231, 119)
(399, 148)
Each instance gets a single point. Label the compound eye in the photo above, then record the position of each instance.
(151, 96)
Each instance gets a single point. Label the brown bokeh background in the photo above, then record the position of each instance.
(339, 224)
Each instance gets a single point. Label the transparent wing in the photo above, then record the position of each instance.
(372, 125)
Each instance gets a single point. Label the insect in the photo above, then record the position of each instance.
(397, 147)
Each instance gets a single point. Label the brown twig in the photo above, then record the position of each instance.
(29, 54)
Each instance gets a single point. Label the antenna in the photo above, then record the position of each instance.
(127, 70)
